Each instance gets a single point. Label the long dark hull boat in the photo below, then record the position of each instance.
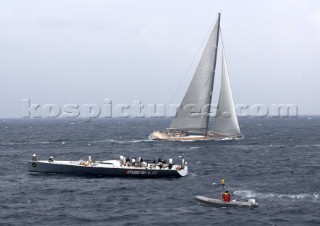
(107, 168)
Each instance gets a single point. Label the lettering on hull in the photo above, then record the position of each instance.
(139, 172)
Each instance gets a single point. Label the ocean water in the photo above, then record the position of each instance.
(278, 164)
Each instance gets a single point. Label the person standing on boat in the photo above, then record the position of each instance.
(226, 196)
(160, 165)
(121, 160)
(182, 162)
(35, 157)
(140, 161)
(170, 163)
(133, 161)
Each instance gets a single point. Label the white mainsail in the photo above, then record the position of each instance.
(199, 94)
(226, 122)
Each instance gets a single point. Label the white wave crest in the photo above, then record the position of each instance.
(303, 196)
(120, 141)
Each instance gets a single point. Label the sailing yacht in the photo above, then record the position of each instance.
(192, 117)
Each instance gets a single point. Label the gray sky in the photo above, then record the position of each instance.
(82, 52)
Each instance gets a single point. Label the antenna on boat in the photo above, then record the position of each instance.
(222, 183)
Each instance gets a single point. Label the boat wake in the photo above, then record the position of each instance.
(32, 143)
(121, 141)
(60, 141)
(312, 197)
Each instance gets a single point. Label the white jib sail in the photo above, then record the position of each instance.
(226, 121)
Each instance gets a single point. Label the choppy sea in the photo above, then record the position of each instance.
(278, 164)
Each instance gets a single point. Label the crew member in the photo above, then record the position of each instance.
(133, 161)
(121, 159)
(34, 157)
(226, 196)
(50, 159)
(170, 163)
(160, 165)
(182, 163)
(124, 160)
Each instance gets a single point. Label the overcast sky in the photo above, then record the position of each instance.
(82, 52)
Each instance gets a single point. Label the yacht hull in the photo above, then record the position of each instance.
(102, 169)
(163, 135)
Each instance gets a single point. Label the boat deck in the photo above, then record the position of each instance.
(108, 164)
